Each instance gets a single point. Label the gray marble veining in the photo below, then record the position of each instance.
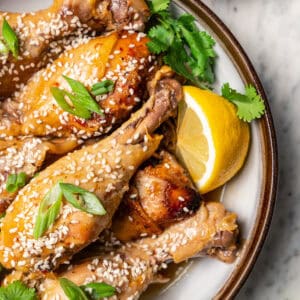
(269, 31)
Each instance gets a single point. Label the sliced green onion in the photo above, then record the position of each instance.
(82, 199)
(51, 204)
(10, 38)
(99, 290)
(3, 49)
(15, 182)
(48, 211)
(72, 291)
(83, 102)
(102, 87)
(59, 95)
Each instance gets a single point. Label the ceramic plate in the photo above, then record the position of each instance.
(250, 194)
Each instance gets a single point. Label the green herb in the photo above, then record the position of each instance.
(250, 106)
(72, 291)
(103, 87)
(48, 211)
(158, 5)
(186, 49)
(83, 102)
(82, 199)
(10, 38)
(90, 291)
(17, 291)
(51, 204)
(15, 182)
(2, 215)
(98, 290)
(36, 174)
(3, 49)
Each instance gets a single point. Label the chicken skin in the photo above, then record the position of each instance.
(45, 34)
(134, 266)
(160, 194)
(123, 59)
(108, 167)
(27, 155)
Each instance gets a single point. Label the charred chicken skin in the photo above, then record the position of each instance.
(159, 194)
(108, 167)
(67, 23)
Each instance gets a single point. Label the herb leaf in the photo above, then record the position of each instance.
(3, 49)
(10, 38)
(83, 102)
(48, 211)
(102, 87)
(72, 291)
(17, 290)
(186, 49)
(83, 96)
(161, 39)
(98, 290)
(51, 204)
(82, 199)
(250, 106)
(158, 5)
(59, 95)
(90, 291)
(15, 182)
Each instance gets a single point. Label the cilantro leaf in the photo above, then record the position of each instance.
(17, 290)
(250, 106)
(158, 5)
(186, 49)
(161, 39)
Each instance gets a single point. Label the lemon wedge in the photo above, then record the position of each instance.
(211, 141)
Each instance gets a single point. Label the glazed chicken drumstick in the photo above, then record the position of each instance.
(160, 194)
(123, 59)
(27, 156)
(170, 197)
(134, 266)
(45, 34)
(108, 167)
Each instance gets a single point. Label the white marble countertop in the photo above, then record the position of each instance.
(269, 31)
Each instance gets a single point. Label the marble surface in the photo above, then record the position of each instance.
(269, 31)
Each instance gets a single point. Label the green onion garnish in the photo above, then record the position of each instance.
(82, 199)
(102, 87)
(48, 211)
(10, 38)
(15, 182)
(51, 204)
(83, 103)
(3, 49)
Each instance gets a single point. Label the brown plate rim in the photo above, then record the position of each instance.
(270, 161)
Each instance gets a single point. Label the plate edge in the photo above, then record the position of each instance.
(270, 164)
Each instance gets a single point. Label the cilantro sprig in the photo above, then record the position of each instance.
(250, 105)
(17, 290)
(186, 49)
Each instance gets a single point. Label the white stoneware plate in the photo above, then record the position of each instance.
(250, 194)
